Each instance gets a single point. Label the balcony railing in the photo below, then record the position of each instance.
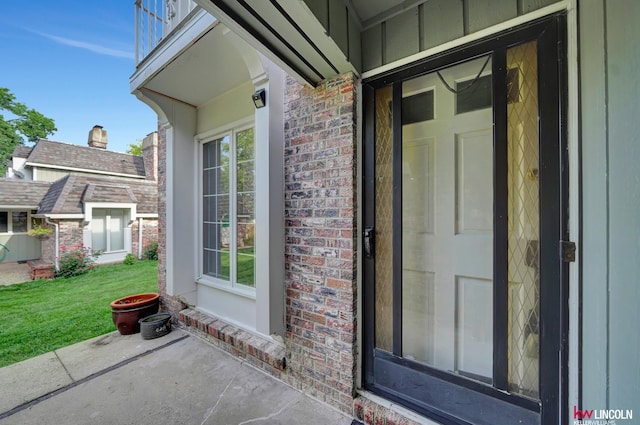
(155, 19)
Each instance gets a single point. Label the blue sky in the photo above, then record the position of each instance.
(71, 61)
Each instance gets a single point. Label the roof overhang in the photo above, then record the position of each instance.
(18, 207)
(60, 216)
(84, 170)
(290, 35)
(146, 215)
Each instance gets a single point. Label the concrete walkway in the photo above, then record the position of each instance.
(175, 379)
(14, 272)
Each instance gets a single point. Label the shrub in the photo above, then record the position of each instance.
(129, 260)
(151, 253)
(74, 261)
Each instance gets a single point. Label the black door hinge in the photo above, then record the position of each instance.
(568, 251)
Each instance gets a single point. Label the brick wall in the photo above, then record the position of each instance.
(150, 155)
(149, 234)
(48, 247)
(320, 214)
(168, 303)
(70, 234)
(320, 224)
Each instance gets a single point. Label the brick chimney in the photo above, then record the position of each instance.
(150, 155)
(97, 137)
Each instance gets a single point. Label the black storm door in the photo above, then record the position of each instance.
(465, 209)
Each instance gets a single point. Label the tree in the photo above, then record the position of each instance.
(135, 148)
(26, 125)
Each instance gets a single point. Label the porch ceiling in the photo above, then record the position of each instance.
(288, 33)
(210, 67)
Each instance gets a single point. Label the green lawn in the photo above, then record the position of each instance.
(44, 315)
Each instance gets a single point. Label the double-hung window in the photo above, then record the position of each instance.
(228, 214)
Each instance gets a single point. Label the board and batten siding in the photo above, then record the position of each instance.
(341, 24)
(610, 59)
(406, 31)
(49, 175)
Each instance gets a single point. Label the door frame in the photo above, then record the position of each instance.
(550, 32)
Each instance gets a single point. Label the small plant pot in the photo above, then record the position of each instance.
(155, 326)
(127, 311)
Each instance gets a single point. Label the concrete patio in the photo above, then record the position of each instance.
(115, 379)
(13, 272)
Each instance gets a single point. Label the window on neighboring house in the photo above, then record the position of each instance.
(4, 222)
(14, 221)
(19, 221)
(228, 208)
(107, 229)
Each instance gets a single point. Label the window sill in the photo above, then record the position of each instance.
(247, 293)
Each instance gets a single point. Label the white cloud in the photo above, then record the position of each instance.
(96, 48)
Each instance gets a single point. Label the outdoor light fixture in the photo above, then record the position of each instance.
(259, 98)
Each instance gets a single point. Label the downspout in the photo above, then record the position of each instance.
(140, 238)
(57, 244)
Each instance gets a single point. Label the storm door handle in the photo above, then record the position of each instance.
(369, 240)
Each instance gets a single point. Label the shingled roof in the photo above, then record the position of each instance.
(75, 157)
(21, 151)
(21, 193)
(68, 194)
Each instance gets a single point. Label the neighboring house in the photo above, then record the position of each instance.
(18, 202)
(104, 200)
(433, 216)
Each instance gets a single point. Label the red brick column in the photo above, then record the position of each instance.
(320, 214)
(168, 303)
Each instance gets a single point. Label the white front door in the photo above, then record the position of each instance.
(447, 215)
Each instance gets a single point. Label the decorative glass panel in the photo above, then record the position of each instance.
(524, 226)
(384, 222)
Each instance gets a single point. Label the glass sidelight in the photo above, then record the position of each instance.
(524, 219)
(384, 220)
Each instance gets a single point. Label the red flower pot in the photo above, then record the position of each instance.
(127, 311)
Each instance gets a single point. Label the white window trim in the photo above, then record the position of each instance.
(88, 216)
(10, 221)
(231, 285)
(268, 307)
(89, 206)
